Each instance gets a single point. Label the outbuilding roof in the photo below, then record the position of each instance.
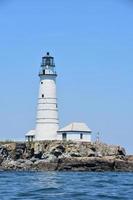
(30, 133)
(75, 127)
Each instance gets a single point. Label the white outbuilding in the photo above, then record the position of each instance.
(30, 136)
(75, 131)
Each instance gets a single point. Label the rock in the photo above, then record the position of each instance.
(9, 164)
(19, 151)
(1, 159)
(56, 152)
(18, 154)
(64, 155)
(28, 162)
(98, 154)
(75, 154)
(34, 159)
(42, 165)
(20, 146)
(86, 164)
(10, 146)
(109, 150)
(27, 155)
(32, 152)
(93, 148)
(121, 151)
(21, 161)
(3, 151)
(61, 148)
(129, 158)
(38, 155)
(45, 155)
(91, 153)
(123, 166)
(49, 157)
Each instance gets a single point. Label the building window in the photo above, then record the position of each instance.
(44, 72)
(42, 95)
(81, 136)
(41, 82)
(64, 136)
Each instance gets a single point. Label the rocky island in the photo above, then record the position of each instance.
(64, 156)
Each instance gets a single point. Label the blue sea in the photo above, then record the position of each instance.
(65, 185)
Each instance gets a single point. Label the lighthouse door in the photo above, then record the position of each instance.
(64, 136)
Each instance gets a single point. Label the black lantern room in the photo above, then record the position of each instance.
(48, 60)
(47, 65)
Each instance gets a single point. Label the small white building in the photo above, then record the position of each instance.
(75, 131)
(30, 136)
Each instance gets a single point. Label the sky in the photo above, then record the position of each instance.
(92, 43)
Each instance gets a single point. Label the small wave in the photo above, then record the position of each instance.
(71, 186)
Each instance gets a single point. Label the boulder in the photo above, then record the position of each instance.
(121, 151)
(4, 152)
(49, 157)
(38, 155)
(9, 164)
(28, 162)
(61, 148)
(21, 146)
(20, 161)
(57, 150)
(75, 154)
(42, 165)
(65, 155)
(10, 146)
(109, 150)
(129, 158)
(86, 164)
(1, 159)
(91, 153)
(19, 151)
(33, 159)
(123, 166)
(18, 154)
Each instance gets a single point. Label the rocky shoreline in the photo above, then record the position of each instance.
(64, 156)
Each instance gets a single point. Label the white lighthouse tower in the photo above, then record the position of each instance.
(47, 122)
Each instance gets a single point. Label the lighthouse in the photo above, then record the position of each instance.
(47, 122)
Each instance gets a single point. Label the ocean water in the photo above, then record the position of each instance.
(65, 185)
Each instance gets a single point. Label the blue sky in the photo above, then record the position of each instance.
(92, 42)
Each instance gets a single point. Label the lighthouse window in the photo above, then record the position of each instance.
(44, 72)
(41, 82)
(42, 95)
